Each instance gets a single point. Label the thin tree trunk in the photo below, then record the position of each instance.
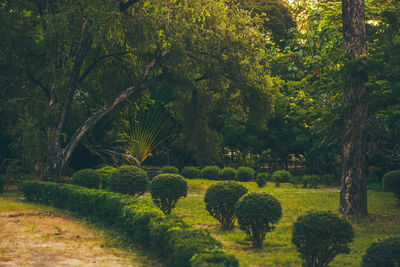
(353, 193)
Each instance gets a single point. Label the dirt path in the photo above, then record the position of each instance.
(33, 238)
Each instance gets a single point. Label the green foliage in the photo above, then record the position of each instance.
(279, 177)
(170, 169)
(262, 178)
(320, 236)
(329, 179)
(2, 184)
(105, 174)
(88, 178)
(383, 253)
(221, 199)
(168, 236)
(245, 174)
(166, 189)
(129, 180)
(227, 173)
(210, 172)
(190, 172)
(391, 182)
(314, 181)
(256, 214)
(215, 259)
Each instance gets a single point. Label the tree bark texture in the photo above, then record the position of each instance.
(353, 193)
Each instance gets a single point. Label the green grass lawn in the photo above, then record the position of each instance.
(384, 220)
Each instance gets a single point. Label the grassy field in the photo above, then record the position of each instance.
(38, 235)
(384, 220)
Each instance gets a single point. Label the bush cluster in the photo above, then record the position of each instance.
(170, 169)
(179, 243)
(391, 182)
(87, 177)
(262, 178)
(2, 184)
(256, 213)
(210, 172)
(128, 180)
(320, 236)
(105, 174)
(227, 173)
(166, 189)
(383, 253)
(221, 199)
(190, 172)
(279, 177)
(245, 174)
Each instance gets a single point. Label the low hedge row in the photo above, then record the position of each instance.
(175, 241)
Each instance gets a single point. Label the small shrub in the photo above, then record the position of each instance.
(105, 174)
(166, 189)
(305, 180)
(2, 184)
(383, 253)
(215, 259)
(190, 172)
(245, 174)
(210, 172)
(329, 179)
(262, 178)
(129, 180)
(314, 181)
(221, 199)
(88, 178)
(256, 214)
(391, 182)
(320, 236)
(170, 169)
(227, 174)
(282, 176)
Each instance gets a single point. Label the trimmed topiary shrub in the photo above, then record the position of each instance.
(166, 189)
(245, 174)
(320, 236)
(383, 253)
(391, 182)
(329, 179)
(314, 181)
(256, 213)
(279, 177)
(105, 174)
(262, 178)
(170, 169)
(210, 172)
(221, 199)
(88, 178)
(2, 184)
(128, 180)
(227, 174)
(216, 259)
(190, 172)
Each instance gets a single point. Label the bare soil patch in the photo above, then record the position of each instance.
(46, 239)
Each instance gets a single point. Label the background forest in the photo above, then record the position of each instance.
(256, 83)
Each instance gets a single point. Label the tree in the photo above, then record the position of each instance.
(353, 193)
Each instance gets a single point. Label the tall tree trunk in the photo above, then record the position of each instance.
(353, 193)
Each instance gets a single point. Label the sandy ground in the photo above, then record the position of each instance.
(45, 239)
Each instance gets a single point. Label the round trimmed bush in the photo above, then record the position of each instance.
(227, 174)
(190, 172)
(166, 189)
(383, 253)
(129, 180)
(210, 172)
(170, 169)
(2, 184)
(87, 177)
(314, 181)
(391, 182)
(262, 178)
(256, 213)
(221, 200)
(245, 174)
(320, 236)
(214, 259)
(281, 176)
(329, 179)
(105, 174)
